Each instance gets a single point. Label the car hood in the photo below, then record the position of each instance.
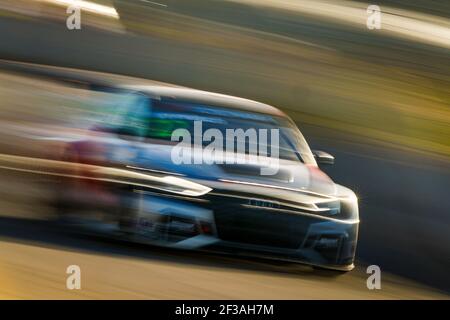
(291, 175)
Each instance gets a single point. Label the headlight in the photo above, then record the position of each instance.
(330, 208)
(164, 183)
(343, 207)
(183, 186)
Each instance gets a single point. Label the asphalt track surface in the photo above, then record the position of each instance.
(403, 197)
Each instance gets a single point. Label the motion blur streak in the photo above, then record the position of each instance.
(86, 5)
(377, 100)
(114, 175)
(400, 23)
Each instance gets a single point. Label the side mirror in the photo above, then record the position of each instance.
(323, 157)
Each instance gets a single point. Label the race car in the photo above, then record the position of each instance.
(146, 172)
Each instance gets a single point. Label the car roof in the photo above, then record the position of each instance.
(205, 97)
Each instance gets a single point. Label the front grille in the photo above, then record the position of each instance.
(258, 226)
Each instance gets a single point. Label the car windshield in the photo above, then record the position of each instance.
(157, 119)
(168, 115)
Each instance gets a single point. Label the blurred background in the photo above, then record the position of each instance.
(378, 100)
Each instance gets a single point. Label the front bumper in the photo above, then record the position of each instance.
(229, 226)
(245, 226)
